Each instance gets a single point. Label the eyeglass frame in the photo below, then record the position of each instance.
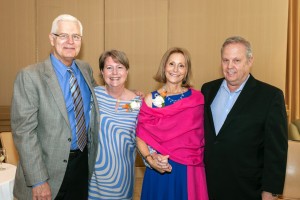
(66, 36)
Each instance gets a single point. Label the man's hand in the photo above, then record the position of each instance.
(268, 196)
(41, 192)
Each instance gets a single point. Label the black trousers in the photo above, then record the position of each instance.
(75, 182)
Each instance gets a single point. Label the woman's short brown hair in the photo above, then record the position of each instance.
(116, 55)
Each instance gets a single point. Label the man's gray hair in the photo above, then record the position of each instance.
(64, 17)
(240, 40)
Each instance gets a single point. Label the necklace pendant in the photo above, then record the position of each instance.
(117, 105)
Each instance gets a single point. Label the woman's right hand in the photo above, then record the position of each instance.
(160, 162)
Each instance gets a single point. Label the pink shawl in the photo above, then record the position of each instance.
(178, 130)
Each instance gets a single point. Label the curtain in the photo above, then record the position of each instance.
(292, 92)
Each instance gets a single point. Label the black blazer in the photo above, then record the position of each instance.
(249, 154)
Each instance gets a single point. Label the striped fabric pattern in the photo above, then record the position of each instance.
(113, 177)
(79, 112)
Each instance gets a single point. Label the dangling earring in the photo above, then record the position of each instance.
(184, 80)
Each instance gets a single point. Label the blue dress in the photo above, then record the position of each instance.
(168, 186)
(113, 176)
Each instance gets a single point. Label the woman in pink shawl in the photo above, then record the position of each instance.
(170, 134)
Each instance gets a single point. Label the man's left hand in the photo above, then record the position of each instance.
(268, 196)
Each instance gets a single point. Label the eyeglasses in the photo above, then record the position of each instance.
(65, 36)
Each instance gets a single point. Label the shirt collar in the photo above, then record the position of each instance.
(62, 68)
(224, 86)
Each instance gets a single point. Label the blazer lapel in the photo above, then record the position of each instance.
(241, 101)
(55, 89)
(213, 92)
(210, 97)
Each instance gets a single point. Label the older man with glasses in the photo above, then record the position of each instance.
(55, 136)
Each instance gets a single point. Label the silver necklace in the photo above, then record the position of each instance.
(172, 100)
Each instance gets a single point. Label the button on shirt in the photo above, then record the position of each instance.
(63, 77)
(223, 103)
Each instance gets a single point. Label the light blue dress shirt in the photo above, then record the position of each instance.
(223, 103)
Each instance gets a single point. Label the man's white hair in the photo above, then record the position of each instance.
(64, 17)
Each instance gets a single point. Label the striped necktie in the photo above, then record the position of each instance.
(79, 112)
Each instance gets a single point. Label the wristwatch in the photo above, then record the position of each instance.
(275, 195)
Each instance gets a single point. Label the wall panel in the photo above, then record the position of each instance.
(139, 28)
(17, 42)
(202, 26)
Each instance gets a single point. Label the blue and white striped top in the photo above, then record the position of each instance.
(113, 177)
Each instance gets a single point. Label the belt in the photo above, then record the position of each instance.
(75, 151)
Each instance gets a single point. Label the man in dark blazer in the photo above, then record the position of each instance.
(52, 166)
(245, 130)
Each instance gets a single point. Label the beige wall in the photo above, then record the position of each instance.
(144, 30)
